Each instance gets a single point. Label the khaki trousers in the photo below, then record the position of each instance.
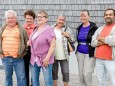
(86, 66)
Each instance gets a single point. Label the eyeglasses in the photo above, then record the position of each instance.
(41, 16)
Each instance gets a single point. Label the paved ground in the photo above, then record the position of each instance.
(73, 75)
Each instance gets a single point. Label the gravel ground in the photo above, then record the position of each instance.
(74, 80)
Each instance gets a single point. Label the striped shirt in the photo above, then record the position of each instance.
(10, 41)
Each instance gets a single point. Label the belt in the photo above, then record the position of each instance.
(84, 43)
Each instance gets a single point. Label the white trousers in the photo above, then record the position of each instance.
(105, 68)
(86, 66)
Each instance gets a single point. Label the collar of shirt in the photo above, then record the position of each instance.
(30, 27)
(12, 28)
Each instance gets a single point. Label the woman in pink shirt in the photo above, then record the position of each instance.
(42, 42)
(29, 26)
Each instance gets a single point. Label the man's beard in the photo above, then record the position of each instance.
(109, 22)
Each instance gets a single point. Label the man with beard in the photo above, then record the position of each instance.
(104, 41)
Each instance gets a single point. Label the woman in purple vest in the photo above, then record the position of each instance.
(84, 51)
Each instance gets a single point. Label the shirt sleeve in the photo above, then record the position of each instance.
(50, 35)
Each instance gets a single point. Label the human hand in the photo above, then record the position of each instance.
(66, 34)
(1, 56)
(100, 43)
(45, 62)
(102, 39)
(28, 43)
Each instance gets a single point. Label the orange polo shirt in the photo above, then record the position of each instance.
(29, 29)
(104, 51)
(10, 41)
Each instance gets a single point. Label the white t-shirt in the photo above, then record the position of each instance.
(59, 50)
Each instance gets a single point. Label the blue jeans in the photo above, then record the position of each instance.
(18, 65)
(47, 72)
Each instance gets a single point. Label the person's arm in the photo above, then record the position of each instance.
(94, 41)
(1, 55)
(101, 41)
(69, 34)
(95, 38)
(50, 52)
(110, 39)
(66, 34)
(26, 38)
(28, 43)
(1, 31)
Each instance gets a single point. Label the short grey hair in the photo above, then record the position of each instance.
(10, 11)
(62, 15)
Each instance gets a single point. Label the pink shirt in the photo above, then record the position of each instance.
(41, 44)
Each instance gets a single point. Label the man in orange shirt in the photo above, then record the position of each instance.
(104, 41)
(13, 41)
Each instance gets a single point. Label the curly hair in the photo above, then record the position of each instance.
(30, 12)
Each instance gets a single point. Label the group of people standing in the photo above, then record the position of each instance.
(40, 46)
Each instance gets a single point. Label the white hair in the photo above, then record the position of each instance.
(62, 15)
(10, 11)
